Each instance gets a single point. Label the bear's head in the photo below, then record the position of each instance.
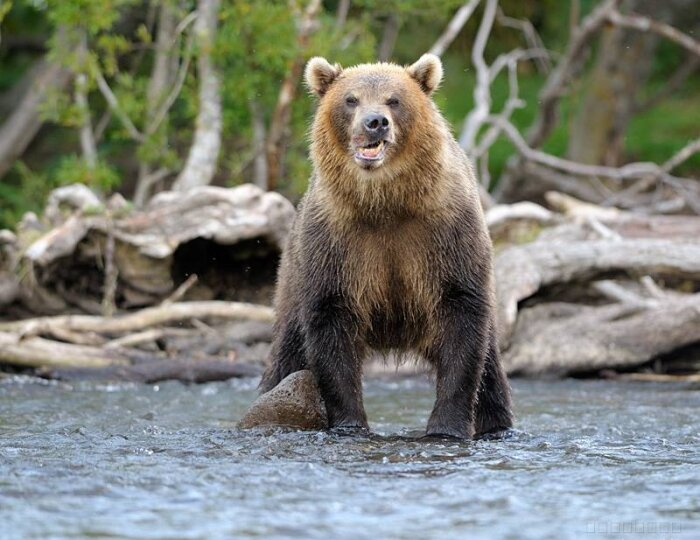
(374, 118)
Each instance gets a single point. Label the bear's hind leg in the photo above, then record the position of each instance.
(458, 356)
(493, 407)
(287, 356)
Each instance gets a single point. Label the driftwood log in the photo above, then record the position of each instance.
(85, 346)
(522, 271)
(89, 256)
(184, 260)
(567, 338)
(144, 318)
(180, 369)
(600, 288)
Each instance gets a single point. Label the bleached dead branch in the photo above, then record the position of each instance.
(454, 27)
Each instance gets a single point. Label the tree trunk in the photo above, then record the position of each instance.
(341, 14)
(391, 32)
(22, 125)
(201, 163)
(87, 137)
(158, 86)
(624, 64)
(622, 68)
(279, 124)
(259, 136)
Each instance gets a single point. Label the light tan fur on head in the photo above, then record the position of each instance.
(427, 72)
(320, 74)
(411, 179)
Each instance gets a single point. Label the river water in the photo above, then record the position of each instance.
(589, 459)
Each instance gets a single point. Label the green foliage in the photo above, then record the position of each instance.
(93, 16)
(5, 6)
(109, 48)
(72, 169)
(28, 194)
(647, 141)
(58, 107)
(33, 188)
(256, 42)
(416, 9)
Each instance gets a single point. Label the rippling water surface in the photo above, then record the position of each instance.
(589, 459)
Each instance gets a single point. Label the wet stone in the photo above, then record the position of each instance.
(295, 402)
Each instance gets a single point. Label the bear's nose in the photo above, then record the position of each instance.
(375, 123)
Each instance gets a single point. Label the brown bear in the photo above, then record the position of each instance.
(389, 251)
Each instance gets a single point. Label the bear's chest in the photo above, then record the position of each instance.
(392, 278)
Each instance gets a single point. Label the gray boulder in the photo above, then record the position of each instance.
(295, 402)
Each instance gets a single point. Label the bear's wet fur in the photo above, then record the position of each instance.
(389, 251)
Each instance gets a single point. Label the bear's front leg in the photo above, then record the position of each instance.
(335, 357)
(287, 355)
(458, 355)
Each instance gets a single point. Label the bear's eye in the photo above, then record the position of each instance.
(392, 102)
(351, 101)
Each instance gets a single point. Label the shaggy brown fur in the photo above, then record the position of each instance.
(389, 251)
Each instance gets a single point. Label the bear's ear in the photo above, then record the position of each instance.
(319, 75)
(427, 72)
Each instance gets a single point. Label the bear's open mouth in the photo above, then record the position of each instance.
(371, 152)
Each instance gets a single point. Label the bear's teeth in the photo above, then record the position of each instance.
(373, 151)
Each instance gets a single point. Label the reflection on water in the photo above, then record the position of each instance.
(589, 459)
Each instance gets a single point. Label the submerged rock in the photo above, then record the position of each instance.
(295, 402)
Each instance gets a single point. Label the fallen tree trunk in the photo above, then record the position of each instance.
(178, 369)
(627, 224)
(36, 352)
(86, 254)
(83, 254)
(139, 320)
(521, 271)
(567, 338)
(80, 345)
